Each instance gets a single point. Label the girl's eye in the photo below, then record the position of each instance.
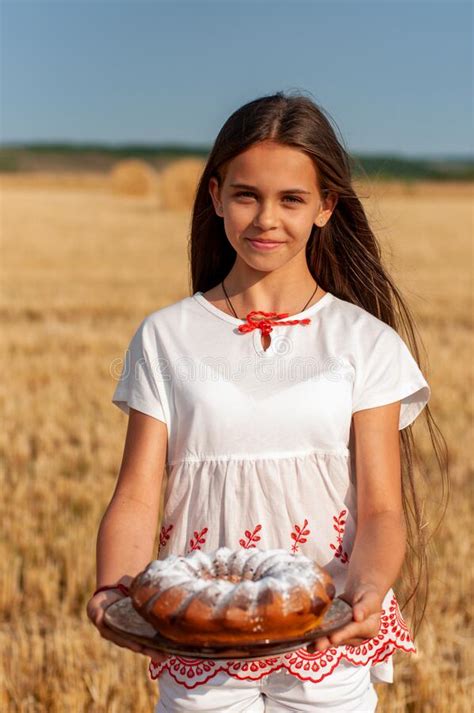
(293, 199)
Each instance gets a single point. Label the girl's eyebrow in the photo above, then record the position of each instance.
(253, 188)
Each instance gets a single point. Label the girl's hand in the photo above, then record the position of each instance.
(366, 613)
(96, 607)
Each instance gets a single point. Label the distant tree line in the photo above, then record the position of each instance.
(101, 157)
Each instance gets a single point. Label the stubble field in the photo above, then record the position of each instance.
(81, 268)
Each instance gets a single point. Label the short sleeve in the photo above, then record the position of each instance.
(142, 380)
(387, 372)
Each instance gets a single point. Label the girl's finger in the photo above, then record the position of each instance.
(364, 630)
(323, 644)
(355, 642)
(365, 604)
(319, 645)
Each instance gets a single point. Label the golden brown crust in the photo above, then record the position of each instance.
(204, 609)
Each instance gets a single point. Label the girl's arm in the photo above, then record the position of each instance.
(128, 528)
(379, 546)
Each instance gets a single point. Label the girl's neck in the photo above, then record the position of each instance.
(269, 292)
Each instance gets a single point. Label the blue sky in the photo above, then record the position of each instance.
(395, 76)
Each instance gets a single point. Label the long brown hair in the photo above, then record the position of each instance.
(345, 258)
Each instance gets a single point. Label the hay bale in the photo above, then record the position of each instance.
(133, 177)
(178, 183)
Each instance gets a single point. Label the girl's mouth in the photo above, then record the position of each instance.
(263, 244)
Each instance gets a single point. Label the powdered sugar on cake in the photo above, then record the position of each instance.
(226, 573)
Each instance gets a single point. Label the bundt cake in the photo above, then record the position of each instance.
(232, 597)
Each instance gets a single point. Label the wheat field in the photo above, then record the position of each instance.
(82, 266)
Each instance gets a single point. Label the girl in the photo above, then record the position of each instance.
(278, 399)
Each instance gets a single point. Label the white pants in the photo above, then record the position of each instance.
(347, 690)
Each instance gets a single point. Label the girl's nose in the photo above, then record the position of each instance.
(265, 218)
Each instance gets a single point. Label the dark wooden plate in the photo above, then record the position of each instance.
(123, 618)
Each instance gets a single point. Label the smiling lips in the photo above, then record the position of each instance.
(264, 244)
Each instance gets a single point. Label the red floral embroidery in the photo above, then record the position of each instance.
(299, 536)
(200, 539)
(396, 622)
(251, 538)
(339, 524)
(165, 535)
(393, 634)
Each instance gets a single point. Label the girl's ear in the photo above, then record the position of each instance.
(215, 195)
(329, 203)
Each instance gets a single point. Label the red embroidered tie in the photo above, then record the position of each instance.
(268, 321)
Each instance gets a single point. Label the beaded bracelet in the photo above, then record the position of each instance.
(123, 588)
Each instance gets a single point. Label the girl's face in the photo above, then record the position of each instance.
(270, 193)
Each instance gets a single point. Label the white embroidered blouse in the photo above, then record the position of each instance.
(260, 447)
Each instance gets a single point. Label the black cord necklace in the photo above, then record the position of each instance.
(257, 311)
(265, 321)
